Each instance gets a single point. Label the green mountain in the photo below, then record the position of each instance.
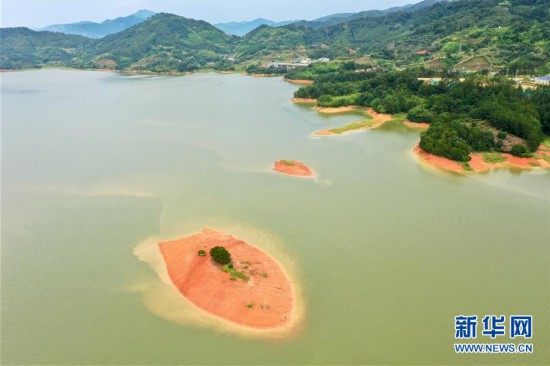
(346, 17)
(242, 28)
(165, 42)
(98, 30)
(494, 33)
(461, 34)
(24, 48)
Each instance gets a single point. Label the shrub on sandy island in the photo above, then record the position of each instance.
(220, 255)
(202, 253)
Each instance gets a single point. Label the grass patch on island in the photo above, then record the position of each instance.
(228, 268)
(287, 162)
(493, 158)
(353, 126)
(466, 167)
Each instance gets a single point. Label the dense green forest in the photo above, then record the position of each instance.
(475, 113)
(466, 34)
(166, 42)
(23, 48)
(508, 36)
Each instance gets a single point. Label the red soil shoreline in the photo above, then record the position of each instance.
(299, 81)
(265, 301)
(479, 165)
(336, 110)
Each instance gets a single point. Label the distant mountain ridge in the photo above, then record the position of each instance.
(335, 19)
(242, 28)
(491, 34)
(99, 30)
(110, 26)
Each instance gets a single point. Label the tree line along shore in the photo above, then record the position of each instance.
(464, 114)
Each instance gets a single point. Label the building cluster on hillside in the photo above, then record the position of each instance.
(369, 69)
(297, 62)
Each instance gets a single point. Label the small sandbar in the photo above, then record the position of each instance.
(257, 294)
(483, 162)
(294, 168)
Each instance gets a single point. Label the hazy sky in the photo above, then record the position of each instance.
(39, 13)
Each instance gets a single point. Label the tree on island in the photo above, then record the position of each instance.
(220, 255)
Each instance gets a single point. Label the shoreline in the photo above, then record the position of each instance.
(336, 110)
(140, 72)
(478, 164)
(203, 284)
(304, 100)
(299, 81)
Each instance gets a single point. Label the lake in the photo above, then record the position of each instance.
(386, 252)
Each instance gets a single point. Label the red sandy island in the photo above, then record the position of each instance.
(264, 301)
(479, 165)
(293, 167)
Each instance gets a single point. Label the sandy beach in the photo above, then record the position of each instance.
(299, 81)
(335, 110)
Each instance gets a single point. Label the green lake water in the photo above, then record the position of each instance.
(385, 251)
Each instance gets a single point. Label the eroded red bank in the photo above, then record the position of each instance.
(477, 164)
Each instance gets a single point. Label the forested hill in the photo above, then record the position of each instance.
(346, 17)
(513, 34)
(164, 42)
(24, 48)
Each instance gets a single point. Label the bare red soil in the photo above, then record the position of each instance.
(293, 167)
(264, 301)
